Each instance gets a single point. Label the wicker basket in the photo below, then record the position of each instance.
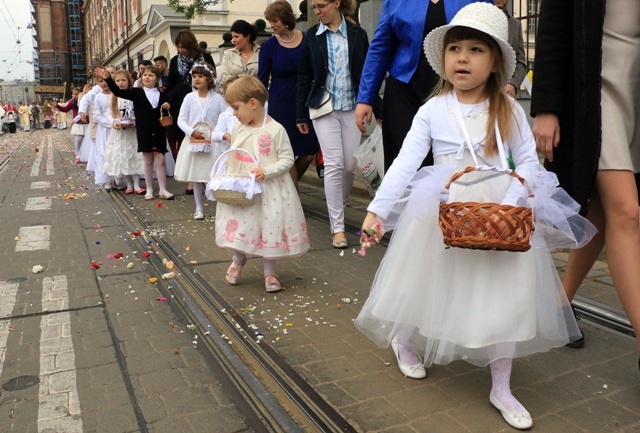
(167, 120)
(201, 145)
(250, 189)
(486, 226)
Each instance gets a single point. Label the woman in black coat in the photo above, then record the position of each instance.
(178, 83)
(587, 111)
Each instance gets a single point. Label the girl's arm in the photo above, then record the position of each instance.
(415, 147)
(264, 65)
(282, 147)
(66, 107)
(99, 115)
(183, 117)
(129, 94)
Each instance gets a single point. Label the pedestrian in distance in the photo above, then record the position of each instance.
(148, 102)
(333, 52)
(272, 226)
(122, 159)
(436, 304)
(587, 113)
(79, 127)
(198, 116)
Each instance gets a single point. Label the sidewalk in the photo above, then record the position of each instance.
(115, 318)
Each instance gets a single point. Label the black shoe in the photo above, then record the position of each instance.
(188, 192)
(578, 343)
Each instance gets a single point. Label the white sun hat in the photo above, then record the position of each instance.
(483, 17)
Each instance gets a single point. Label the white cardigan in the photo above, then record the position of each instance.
(191, 111)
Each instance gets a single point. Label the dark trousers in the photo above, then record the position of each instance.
(400, 105)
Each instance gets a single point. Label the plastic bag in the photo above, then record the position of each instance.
(370, 160)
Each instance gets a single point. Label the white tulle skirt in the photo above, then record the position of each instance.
(458, 304)
(122, 157)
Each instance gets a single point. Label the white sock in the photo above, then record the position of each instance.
(198, 191)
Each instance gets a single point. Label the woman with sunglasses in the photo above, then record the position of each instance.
(333, 53)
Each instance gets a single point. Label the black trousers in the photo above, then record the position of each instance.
(400, 105)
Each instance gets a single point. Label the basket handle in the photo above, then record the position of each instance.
(162, 115)
(470, 169)
(223, 157)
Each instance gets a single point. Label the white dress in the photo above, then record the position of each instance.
(122, 157)
(103, 119)
(226, 122)
(459, 304)
(196, 166)
(273, 225)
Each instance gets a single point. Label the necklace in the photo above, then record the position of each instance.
(290, 40)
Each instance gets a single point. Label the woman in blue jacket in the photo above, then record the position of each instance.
(397, 48)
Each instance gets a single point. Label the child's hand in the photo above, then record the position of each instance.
(259, 173)
(227, 137)
(166, 106)
(372, 231)
(101, 73)
(197, 135)
(116, 125)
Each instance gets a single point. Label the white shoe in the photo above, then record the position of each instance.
(199, 215)
(520, 421)
(415, 371)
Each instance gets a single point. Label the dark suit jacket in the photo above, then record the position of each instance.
(149, 131)
(517, 43)
(313, 67)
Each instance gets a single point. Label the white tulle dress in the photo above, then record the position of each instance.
(459, 304)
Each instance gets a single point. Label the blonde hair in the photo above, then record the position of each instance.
(114, 99)
(244, 89)
(500, 108)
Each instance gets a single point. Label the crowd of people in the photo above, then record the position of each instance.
(451, 71)
(27, 116)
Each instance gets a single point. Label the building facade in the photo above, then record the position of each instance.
(125, 32)
(58, 31)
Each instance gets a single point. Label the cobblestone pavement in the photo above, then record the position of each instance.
(93, 350)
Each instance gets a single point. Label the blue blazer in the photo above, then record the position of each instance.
(397, 42)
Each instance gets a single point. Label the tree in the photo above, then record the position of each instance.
(191, 7)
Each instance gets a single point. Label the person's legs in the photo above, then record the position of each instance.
(350, 141)
(161, 174)
(581, 260)
(198, 194)
(234, 272)
(271, 282)
(148, 174)
(299, 167)
(77, 142)
(619, 197)
(329, 132)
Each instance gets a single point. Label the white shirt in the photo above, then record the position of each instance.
(435, 127)
(153, 96)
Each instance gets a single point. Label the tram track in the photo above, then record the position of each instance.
(271, 395)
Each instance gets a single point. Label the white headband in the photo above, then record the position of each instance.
(203, 66)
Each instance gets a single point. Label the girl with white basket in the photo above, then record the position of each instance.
(198, 116)
(258, 212)
(435, 303)
(122, 160)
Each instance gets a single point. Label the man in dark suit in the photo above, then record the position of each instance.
(517, 43)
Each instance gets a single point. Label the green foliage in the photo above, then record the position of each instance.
(190, 8)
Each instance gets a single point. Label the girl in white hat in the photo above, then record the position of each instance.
(436, 304)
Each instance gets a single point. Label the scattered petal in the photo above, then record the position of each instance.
(158, 204)
(169, 264)
(153, 280)
(193, 262)
(129, 265)
(168, 275)
(94, 265)
(37, 268)
(145, 255)
(17, 238)
(161, 299)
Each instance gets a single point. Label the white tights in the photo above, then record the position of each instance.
(500, 384)
(198, 193)
(269, 265)
(77, 141)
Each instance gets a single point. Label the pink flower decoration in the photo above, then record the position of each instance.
(264, 144)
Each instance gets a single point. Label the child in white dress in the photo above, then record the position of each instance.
(273, 225)
(198, 116)
(122, 160)
(447, 304)
(103, 118)
(222, 132)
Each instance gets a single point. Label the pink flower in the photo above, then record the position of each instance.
(230, 230)
(264, 144)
